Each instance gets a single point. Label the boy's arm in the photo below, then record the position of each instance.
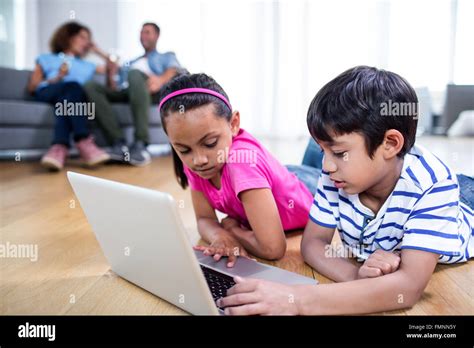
(316, 251)
(397, 290)
(401, 289)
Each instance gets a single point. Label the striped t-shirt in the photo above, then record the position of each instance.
(423, 212)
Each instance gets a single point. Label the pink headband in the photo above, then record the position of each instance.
(195, 90)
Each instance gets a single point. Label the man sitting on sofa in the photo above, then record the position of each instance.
(142, 78)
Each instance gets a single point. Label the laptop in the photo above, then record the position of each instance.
(144, 241)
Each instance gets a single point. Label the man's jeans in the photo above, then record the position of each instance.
(136, 94)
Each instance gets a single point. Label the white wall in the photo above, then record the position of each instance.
(273, 56)
(36, 20)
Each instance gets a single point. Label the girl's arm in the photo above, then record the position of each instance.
(398, 290)
(207, 222)
(222, 243)
(317, 252)
(267, 238)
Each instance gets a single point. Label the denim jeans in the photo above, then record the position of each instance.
(70, 92)
(310, 170)
(312, 165)
(466, 189)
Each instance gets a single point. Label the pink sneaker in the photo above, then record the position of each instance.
(55, 157)
(90, 153)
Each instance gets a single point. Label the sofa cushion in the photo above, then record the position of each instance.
(26, 113)
(13, 84)
(38, 114)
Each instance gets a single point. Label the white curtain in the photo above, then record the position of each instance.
(272, 56)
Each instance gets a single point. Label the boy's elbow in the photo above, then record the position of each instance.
(308, 247)
(413, 295)
(410, 293)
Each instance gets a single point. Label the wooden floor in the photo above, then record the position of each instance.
(71, 275)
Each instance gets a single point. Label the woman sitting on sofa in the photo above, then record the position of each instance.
(57, 79)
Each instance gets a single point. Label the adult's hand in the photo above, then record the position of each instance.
(154, 83)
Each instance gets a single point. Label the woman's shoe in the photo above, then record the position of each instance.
(55, 157)
(90, 153)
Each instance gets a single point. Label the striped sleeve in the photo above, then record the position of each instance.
(433, 223)
(321, 211)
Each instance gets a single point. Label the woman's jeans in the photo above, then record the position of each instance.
(66, 92)
(308, 173)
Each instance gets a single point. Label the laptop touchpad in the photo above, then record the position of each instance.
(243, 266)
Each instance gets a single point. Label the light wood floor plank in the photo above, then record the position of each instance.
(71, 275)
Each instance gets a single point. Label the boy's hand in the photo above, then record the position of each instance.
(224, 246)
(256, 296)
(381, 262)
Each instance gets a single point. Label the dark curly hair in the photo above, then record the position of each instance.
(61, 38)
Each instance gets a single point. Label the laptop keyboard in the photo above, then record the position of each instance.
(218, 282)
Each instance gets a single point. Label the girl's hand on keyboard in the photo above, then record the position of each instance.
(224, 246)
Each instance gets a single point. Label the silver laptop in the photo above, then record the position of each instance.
(144, 241)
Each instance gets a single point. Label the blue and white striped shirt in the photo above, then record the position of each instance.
(423, 212)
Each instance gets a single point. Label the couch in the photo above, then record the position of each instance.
(26, 126)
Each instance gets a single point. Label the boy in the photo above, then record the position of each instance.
(394, 204)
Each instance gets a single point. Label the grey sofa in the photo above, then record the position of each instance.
(26, 126)
(458, 99)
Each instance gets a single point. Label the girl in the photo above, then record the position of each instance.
(230, 171)
(58, 77)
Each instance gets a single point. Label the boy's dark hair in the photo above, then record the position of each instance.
(190, 101)
(61, 38)
(154, 25)
(353, 102)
